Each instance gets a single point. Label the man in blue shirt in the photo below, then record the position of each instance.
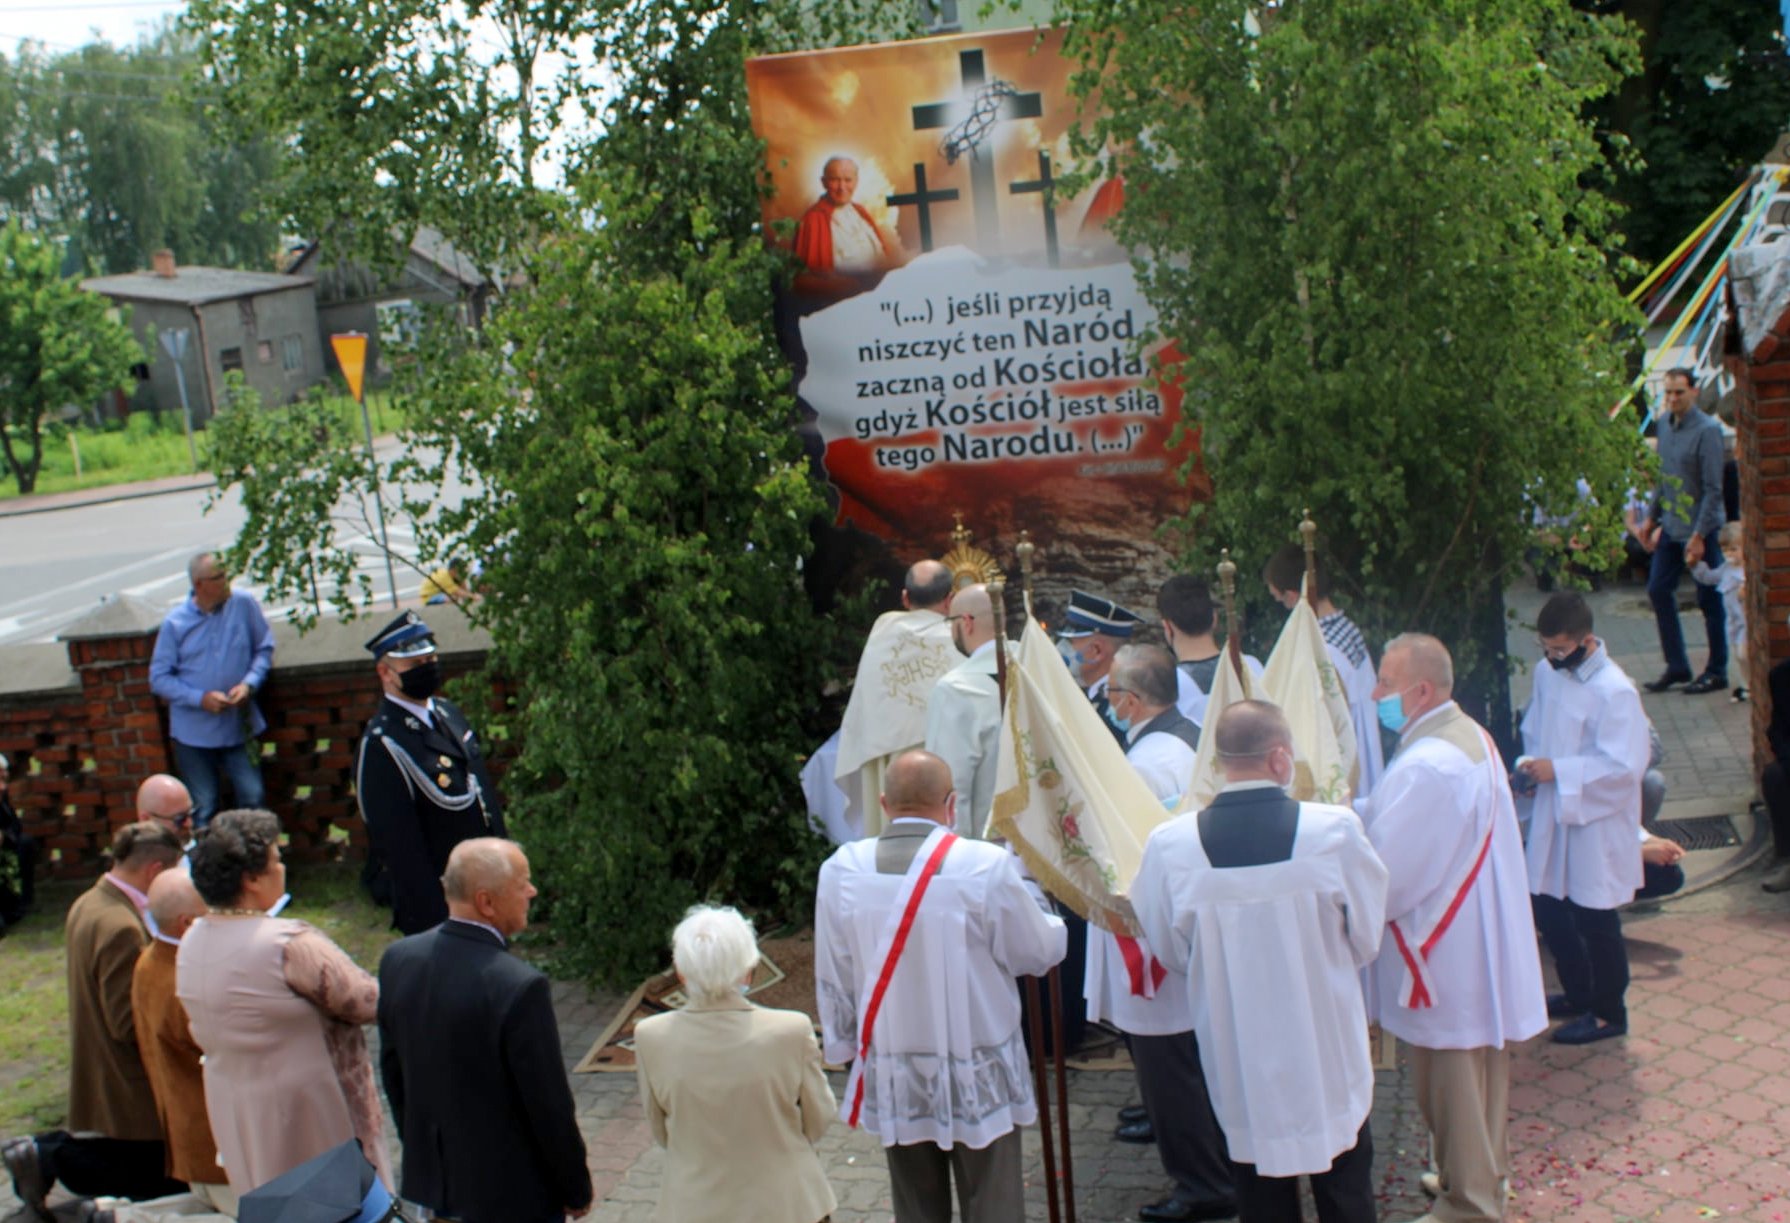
(1681, 530)
(211, 656)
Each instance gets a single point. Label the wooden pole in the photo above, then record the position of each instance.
(1227, 581)
(997, 595)
(1059, 1055)
(1025, 550)
(1041, 1088)
(1308, 534)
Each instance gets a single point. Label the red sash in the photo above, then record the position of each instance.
(1132, 952)
(921, 882)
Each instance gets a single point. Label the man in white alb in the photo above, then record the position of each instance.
(1265, 908)
(1585, 739)
(906, 653)
(1129, 988)
(918, 936)
(1458, 977)
(963, 713)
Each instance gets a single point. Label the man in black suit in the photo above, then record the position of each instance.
(420, 778)
(470, 1054)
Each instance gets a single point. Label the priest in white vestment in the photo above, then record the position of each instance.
(906, 653)
(1264, 909)
(1348, 654)
(1586, 747)
(1190, 624)
(963, 713)
(1458, 976)
(930, 1017)
(1134, 991)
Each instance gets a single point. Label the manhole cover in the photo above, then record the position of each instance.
(1700, 832)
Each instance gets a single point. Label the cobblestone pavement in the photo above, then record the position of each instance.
(1687, 1118)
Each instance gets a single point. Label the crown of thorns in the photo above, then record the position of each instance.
(967, 136)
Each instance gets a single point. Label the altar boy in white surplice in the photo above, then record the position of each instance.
(1585, 736)
(1458, 977)
(1265, 909)
(918, 936)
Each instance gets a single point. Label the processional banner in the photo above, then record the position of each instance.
(965, 331)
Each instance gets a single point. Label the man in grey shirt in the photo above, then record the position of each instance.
(1680, 530)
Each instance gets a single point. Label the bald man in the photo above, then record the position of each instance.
(1262, 909)
(906, 653)
(1458, 977)
(952, 1114)
(963, 713)
(163, 799)
(470, 1056)
(166, 1042)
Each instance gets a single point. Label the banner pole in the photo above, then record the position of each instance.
(1058, 1055)
(1227, 580)
(1041, 1089)
(997, 591)
(1308, 534)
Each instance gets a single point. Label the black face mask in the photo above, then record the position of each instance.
(420, 682)
(1571, 661)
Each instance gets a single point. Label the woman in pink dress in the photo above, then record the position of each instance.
(278, 1009)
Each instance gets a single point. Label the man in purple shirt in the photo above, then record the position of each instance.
(211, 656)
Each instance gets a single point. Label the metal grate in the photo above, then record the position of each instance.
(1700, 832)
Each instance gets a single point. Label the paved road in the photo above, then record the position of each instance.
(58, 564)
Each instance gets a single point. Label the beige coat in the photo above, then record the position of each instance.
(108, 1088)
(737, 1097)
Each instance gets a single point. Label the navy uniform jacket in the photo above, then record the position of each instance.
(422, 790)
(470, 1054)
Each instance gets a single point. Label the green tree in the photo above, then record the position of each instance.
(638, 499)
(1366, 223)
(1711, 99)
(59, 346)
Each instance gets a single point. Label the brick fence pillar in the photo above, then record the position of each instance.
(109, 651)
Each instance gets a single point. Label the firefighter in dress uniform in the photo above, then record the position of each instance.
(420, 778)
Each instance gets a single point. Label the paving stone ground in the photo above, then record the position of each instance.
(1688, 1118)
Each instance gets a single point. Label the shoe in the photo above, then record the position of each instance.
(1738, 695)
(1707, 682)
(1430, 1183)
(1588, 1028)
(28, 1180)
(1178, 1209)
(1133, 1113)
(1136, 1131)
(1560, 1007)
(1779, 881)
(1670, 679)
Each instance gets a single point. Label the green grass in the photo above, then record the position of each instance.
(34, 993)
(138, 450)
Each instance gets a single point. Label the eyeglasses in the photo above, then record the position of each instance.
(179, 818)
(960, 616)
(1557, 652)
(1112, 691)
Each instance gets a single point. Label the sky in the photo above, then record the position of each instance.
(63, 27)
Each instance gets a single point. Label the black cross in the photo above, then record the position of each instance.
(932, 115)
(922, 200)
(1045, 186)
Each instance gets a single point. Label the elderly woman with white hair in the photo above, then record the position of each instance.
(734, 1092)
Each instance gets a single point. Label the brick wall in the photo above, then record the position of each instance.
(1762, 446)
(78, 751)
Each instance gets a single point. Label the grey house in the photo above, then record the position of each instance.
(386, 305)
(262, 324)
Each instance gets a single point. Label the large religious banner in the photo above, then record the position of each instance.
(967, 335)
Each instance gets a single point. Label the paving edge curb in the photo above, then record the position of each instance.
(14, 510)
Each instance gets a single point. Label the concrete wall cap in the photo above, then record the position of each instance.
(119, 615)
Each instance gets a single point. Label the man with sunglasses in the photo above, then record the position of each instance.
(166, 801)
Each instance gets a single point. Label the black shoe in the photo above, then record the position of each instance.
(1588, 1028)
(28, 1179)
(1136, 1131)
(1707, 682)
(1134, 1112)
(1670, 679)
(1178, 1209)
(1560, 1007)
(1738, 695)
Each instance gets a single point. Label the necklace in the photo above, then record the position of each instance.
(238, 912)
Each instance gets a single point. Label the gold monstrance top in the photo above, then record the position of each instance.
(968, 564)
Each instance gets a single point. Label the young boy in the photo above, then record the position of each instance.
(1729, 581)
(1586, 749)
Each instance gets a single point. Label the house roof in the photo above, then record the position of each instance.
(429, 244)
(193, 286)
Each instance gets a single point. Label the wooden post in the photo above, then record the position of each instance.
(1024, 550)
(1227, 580)
(1308, 533)
(997, 595)
(1041, 1089)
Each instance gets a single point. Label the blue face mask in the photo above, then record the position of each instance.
(1392, 712)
